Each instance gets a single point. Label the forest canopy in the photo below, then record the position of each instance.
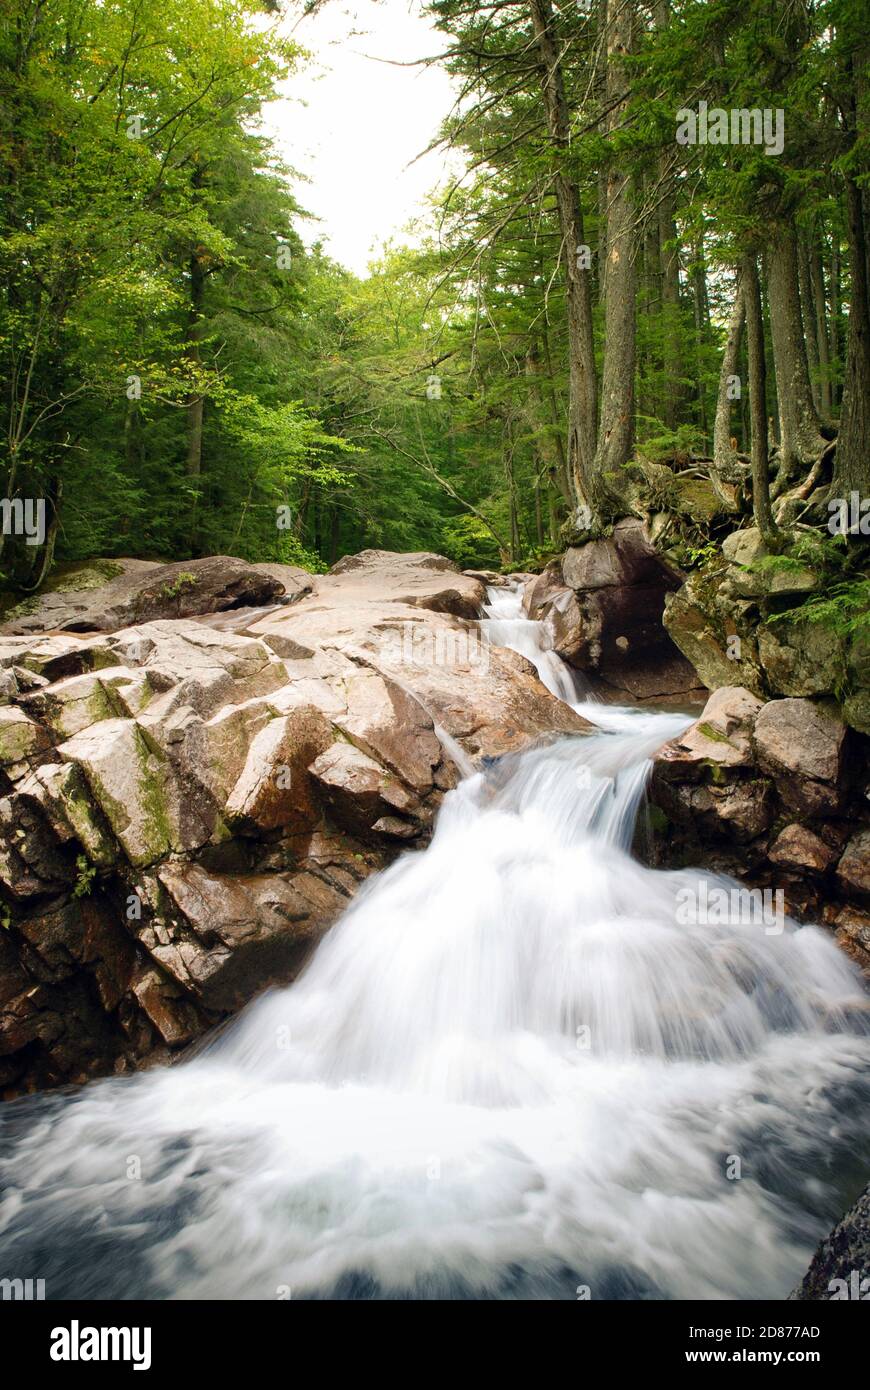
(610, 310)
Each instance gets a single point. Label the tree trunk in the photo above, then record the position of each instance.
(834, 324)
(195, 400)
(702, 327)
(800, 435)
(672, 357)
(817, 288)
(761, 508)
(581, 355)
(724, 455)
(808, 319)
(616, 423)
(852, 467)
(545, 435)
(669, 257)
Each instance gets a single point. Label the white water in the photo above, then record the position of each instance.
(507, 1072)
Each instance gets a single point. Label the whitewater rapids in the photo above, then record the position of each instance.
(507, 1072)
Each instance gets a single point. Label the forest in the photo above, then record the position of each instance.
(645, 292)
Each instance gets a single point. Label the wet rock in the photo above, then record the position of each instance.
(853, 870)
(227, 936)
(797, 847)
(748, 768)
(841, 1266)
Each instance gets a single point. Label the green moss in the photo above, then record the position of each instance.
(715, 735)
(185, 580)
(156, 824)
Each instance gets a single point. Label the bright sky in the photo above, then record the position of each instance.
(362, 123)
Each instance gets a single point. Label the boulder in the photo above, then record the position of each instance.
(179, 590)
(803, 743)
(717, 634)
(853, 870)
(797, 847)
(801, 658)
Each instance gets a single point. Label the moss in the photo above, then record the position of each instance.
(185, 580)
(17, 740)
(156, 824)
(75, 577)
(715, 735)
(83, 815)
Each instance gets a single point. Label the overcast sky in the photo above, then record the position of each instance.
(363, 122)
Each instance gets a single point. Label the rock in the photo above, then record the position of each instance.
(272, 790)
(540, 590)
(565, 626)
(489, 577)
(853, 870)
(840, 1268)
(796, 847)
(803, 743)
(21, 740)
(178, 590)
(417, 580)
(224, 937)
(359, 795)
(744, 547)
(801, 658)
(487, 698)
(189, 804)
(747, 768)
(853, 934)
(738, 811)
(602, 606)
(625, 559)
(715, 633)
(747, 627)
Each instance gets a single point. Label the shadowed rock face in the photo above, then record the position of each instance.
(841, 1265)
(602, 605)
(185, 808)
(775, 793)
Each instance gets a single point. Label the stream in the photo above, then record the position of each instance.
(509, 1071)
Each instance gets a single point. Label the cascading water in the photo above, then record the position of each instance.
(509, 1071)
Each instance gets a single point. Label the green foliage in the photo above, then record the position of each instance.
(185, 580)
(844, 609)
(85, 874)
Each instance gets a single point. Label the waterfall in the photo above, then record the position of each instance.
(511, 1070)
